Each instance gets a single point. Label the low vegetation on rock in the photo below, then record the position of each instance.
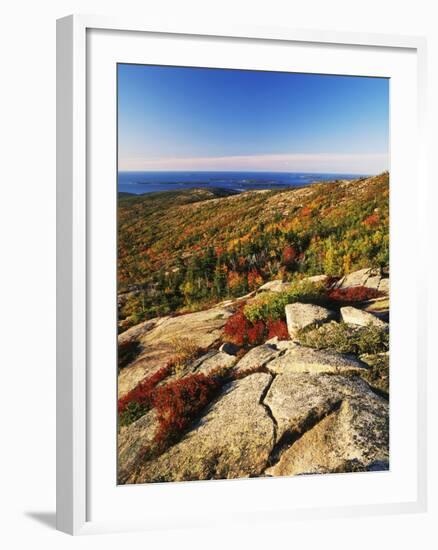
(179, 402)
(353, 294)
(345, 338)
(271, 306)
(138, 401)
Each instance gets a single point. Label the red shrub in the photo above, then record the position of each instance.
(179, 402)
(255, 333)
(235, 328)
(241, 332)
(279, 329)
(289, 256)
(142, 393)
(353, 294)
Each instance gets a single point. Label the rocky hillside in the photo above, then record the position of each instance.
(291, 378)
(185, 251)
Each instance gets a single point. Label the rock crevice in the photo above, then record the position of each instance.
(290, 437)
(234, 438)
(268, 408)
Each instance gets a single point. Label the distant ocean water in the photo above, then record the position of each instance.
(148, 182)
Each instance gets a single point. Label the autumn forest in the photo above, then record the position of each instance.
(183, 251)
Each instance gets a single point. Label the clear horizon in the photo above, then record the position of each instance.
(176, 119)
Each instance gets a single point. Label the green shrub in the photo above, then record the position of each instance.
(344, 338)
(377, 375)
(270, 306)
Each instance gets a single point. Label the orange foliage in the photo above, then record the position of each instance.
(254, 279)
(372, 220)
(306, 211)
(234, 279)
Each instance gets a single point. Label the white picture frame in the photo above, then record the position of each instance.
(74, 218)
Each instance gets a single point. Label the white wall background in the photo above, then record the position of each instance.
(27, 218)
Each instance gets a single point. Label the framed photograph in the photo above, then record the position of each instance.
(240, 284)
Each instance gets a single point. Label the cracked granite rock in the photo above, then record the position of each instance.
(256, 357)
(233, 439)
(298, 359)
(327, 423)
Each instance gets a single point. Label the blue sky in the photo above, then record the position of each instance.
(175, 118)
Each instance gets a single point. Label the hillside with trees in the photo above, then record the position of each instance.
(183, 251)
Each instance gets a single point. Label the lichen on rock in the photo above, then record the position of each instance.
(326, 422)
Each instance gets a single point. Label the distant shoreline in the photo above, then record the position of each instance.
(147, 182)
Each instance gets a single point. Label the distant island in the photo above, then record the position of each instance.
(146, 182)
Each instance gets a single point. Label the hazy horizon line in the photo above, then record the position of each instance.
(369, 174)
(349, 163)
